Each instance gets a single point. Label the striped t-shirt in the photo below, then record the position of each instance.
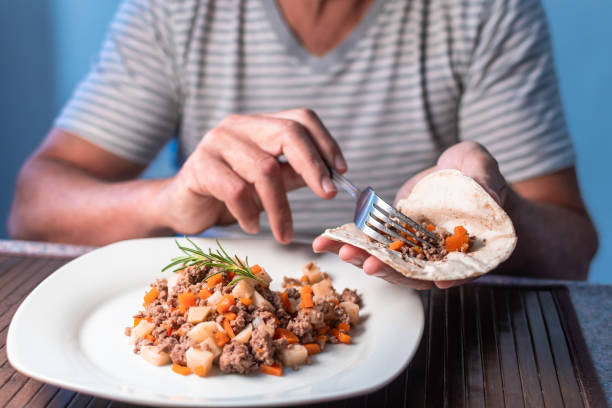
(414, 77)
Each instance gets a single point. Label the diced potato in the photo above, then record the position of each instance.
(294, 355)
(294, 305)
(260, 301)
(199, 360)
(210, 345)
(245, 334)
(263, 275)
(352, 310)
(201, 331)
(172, 281)
(144, 327)
(243, 289)
(322, 289)
(153, 355)
(213, 299)
(312, 272)
(198, 314)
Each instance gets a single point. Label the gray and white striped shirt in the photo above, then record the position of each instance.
(413, 78)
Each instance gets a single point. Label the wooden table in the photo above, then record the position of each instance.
(499, 342)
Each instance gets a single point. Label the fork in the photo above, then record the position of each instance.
(373, 215)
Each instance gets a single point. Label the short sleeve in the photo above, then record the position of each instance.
(511, 102)
(128, 102)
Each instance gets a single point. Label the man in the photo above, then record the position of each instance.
(392, 87)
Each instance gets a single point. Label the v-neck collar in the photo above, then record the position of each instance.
(296, 49)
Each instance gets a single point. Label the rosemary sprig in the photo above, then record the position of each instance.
(197, 257)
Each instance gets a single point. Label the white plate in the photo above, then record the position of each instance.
(69, 331)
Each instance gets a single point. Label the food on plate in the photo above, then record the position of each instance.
(474, 234)
(217, 310)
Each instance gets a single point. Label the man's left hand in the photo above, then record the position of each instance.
(473, 160)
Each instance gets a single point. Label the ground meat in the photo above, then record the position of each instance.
(236, 358)
(195, 274)
(341, 315)
(177, 355)
(242, 317)
(291, 282)
(167, 344)
(301, 326)
(351, 296)
(293, 293)
(261, 344)
(282, 314)
(266, 316)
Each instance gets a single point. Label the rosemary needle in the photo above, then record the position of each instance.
(219, 258)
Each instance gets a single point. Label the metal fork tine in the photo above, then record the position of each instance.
(392, 212)
(373, 222)
(372, 233)
(383, 217)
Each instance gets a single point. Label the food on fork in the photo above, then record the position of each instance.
(474, 234)
(219, 310)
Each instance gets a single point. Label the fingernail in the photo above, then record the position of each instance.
(380, 274)
(339, 163)
(328, 185)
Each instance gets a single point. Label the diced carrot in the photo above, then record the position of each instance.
(304, 278)
(182, 370)
(255, 269)
(275, 369)
(430, 227)
(214, 280)
(137, 320)
(221, 338)
(149, 337)
(313, 348)
(306, 296)
(336, 301)
(286, 334)
(285, 299)
(323, 330)
(321, 338)
(168, 329)
(228, 328)
(417, 249)
(199, 371)
(246, 301)
(230, 276)
(343, 327)
(150, 296)
(225, 303)
(230, 315)
(204, 294)
(343, 338)
(459, 241)
(396, 245)
(186, 300)
(149, 319)
(334, 332)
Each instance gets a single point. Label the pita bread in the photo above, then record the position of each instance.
(446, 198)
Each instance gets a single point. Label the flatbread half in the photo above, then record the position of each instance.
(446, 198)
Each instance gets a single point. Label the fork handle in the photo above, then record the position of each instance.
(345, 183)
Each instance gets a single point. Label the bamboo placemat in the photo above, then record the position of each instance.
(483, 346)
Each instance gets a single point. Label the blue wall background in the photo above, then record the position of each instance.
(47, 46)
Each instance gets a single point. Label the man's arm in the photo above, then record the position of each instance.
(556, 238)
(70, 190)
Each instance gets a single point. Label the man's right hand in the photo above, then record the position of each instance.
(234, 173)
